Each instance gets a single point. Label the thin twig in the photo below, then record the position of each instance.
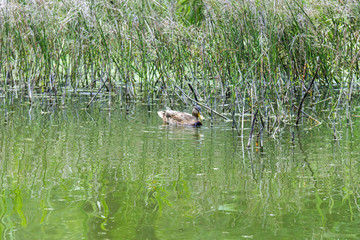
(192, 89)
(92, 99)
(305, 95)
(252, 128)
(235, 124)
(308, 115)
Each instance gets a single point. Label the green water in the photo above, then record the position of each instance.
(67, 173)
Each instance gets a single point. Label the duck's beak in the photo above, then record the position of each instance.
(201, 117)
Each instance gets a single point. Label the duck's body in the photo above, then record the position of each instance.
(180, 118)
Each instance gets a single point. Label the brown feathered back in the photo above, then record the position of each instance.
(178, 118)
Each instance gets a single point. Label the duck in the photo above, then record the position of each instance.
(172, 117)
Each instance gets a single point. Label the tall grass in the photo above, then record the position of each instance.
(255, 53)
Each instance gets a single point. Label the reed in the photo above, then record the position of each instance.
(259, 53)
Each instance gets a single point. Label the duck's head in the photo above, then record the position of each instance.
(197, 112)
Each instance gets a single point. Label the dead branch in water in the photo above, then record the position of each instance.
(307, 115)
(305, 95)
(252, 128)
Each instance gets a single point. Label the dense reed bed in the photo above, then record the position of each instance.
(238, 55)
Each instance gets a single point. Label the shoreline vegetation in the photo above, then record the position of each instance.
(280, 61)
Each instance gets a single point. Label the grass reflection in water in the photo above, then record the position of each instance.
(72, 174)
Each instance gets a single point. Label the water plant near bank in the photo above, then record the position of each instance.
(239, 56)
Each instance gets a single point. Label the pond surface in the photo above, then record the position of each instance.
(68, 173)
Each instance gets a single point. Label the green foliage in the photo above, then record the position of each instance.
(255, 51)
(191, 11)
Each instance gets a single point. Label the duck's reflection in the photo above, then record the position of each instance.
(183, 133)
